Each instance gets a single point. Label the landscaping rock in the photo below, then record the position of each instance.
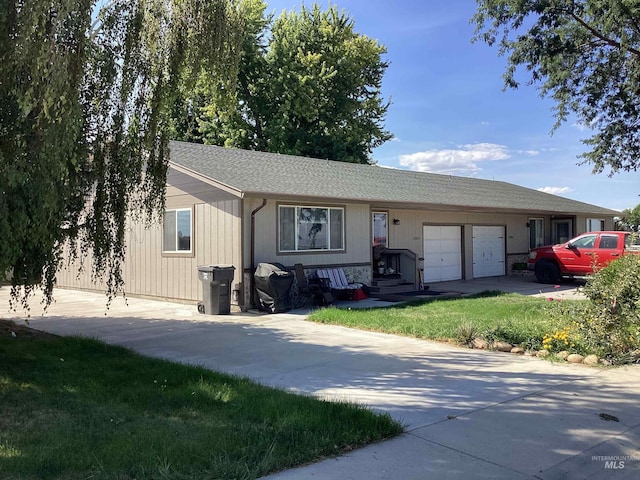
(605, 362)
(563, 354)
(543, 353)
(575, 358)
(502, 346)
(480, 343)
(591, 360)
(518, 350)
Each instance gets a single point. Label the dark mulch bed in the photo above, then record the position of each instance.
(9, 328)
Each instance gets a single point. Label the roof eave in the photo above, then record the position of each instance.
(378, 203)
(208, 180)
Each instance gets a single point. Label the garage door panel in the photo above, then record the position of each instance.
(442, 253)
(450, 259)
(488, 251)
(450, 273)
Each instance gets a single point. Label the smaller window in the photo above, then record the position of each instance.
(536, 232)
(177, 229)
(595, 224)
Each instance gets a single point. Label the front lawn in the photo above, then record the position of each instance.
(510, 317)
(75, 408)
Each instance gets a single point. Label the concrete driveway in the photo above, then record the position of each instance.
(468, 414)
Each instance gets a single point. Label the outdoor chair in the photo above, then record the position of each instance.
(319, 292)
(338, 282)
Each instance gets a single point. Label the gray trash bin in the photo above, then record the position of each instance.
(216, 288)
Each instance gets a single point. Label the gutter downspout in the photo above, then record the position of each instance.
(253, 247)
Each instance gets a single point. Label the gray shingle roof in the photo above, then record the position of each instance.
(272, 174)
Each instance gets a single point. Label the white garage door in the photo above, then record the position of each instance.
(488, 251)
(442, 253)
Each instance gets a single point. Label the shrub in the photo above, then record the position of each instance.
(558, 340)
(532, 344)
(507, 331)
(466, 333)
(611, 323)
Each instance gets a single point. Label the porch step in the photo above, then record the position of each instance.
(400, 287)
(386, 282)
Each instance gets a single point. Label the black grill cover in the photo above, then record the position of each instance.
(273, 284)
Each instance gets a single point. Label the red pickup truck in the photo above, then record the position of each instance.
(579, 255)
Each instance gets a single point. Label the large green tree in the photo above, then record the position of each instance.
(585, 55)
(85, 102)
(308, 84)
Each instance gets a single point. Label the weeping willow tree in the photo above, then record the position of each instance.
(86, 90)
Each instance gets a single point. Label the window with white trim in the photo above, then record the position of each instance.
(595, 224)
(310, 228)
(380, 228)
(177, 231)
(536, 232)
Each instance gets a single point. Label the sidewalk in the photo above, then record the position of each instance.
(468, 413)
(524, 284)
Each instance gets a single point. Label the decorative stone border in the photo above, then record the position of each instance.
(482, 344)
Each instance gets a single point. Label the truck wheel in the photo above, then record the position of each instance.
(547, 272)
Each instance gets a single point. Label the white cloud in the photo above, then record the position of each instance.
(460, 161)
(556, 190)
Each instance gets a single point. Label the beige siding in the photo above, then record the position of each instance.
(408, 234)
(77, 275)
(183, 190)
(147, 272)
(222, 235)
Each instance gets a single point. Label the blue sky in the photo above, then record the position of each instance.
(450, 115)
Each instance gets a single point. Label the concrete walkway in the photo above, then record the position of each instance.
(468, 414)
(524, 284)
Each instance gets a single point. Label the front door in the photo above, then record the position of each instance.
(380, 233)
(561, 230)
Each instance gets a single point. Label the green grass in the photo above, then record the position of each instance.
(510, 317)
(75, 408)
